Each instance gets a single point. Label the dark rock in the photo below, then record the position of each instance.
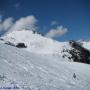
(79, 53)
(21, 45)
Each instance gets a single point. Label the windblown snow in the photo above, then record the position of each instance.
(40, 65)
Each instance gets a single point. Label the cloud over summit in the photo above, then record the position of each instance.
(28, 22)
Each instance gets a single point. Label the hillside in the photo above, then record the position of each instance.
(28, 71)
(38, 44)
(43, 64)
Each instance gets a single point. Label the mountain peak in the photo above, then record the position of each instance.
(35, 42)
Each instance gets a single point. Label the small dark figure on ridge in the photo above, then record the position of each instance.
(74, 75)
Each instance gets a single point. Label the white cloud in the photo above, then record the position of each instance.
(6, 24)
(58, 31)
(28, 22)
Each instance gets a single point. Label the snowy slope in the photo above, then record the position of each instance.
(28, 71)
(35, 42)
(86, 44)
(38, 44)
(43, 46)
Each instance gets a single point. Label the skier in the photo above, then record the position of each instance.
(74, 75)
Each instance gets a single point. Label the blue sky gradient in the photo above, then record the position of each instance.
(72, 14)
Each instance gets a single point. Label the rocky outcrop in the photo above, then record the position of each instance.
(79, 53)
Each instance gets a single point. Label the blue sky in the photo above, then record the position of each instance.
(71, 14)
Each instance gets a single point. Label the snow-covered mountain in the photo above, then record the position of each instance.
(85, 43)
(44, 64)
(36, 43)
(22, 70)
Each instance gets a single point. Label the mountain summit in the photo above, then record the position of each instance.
(36, 43)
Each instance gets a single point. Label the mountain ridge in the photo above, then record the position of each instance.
(36, 43)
